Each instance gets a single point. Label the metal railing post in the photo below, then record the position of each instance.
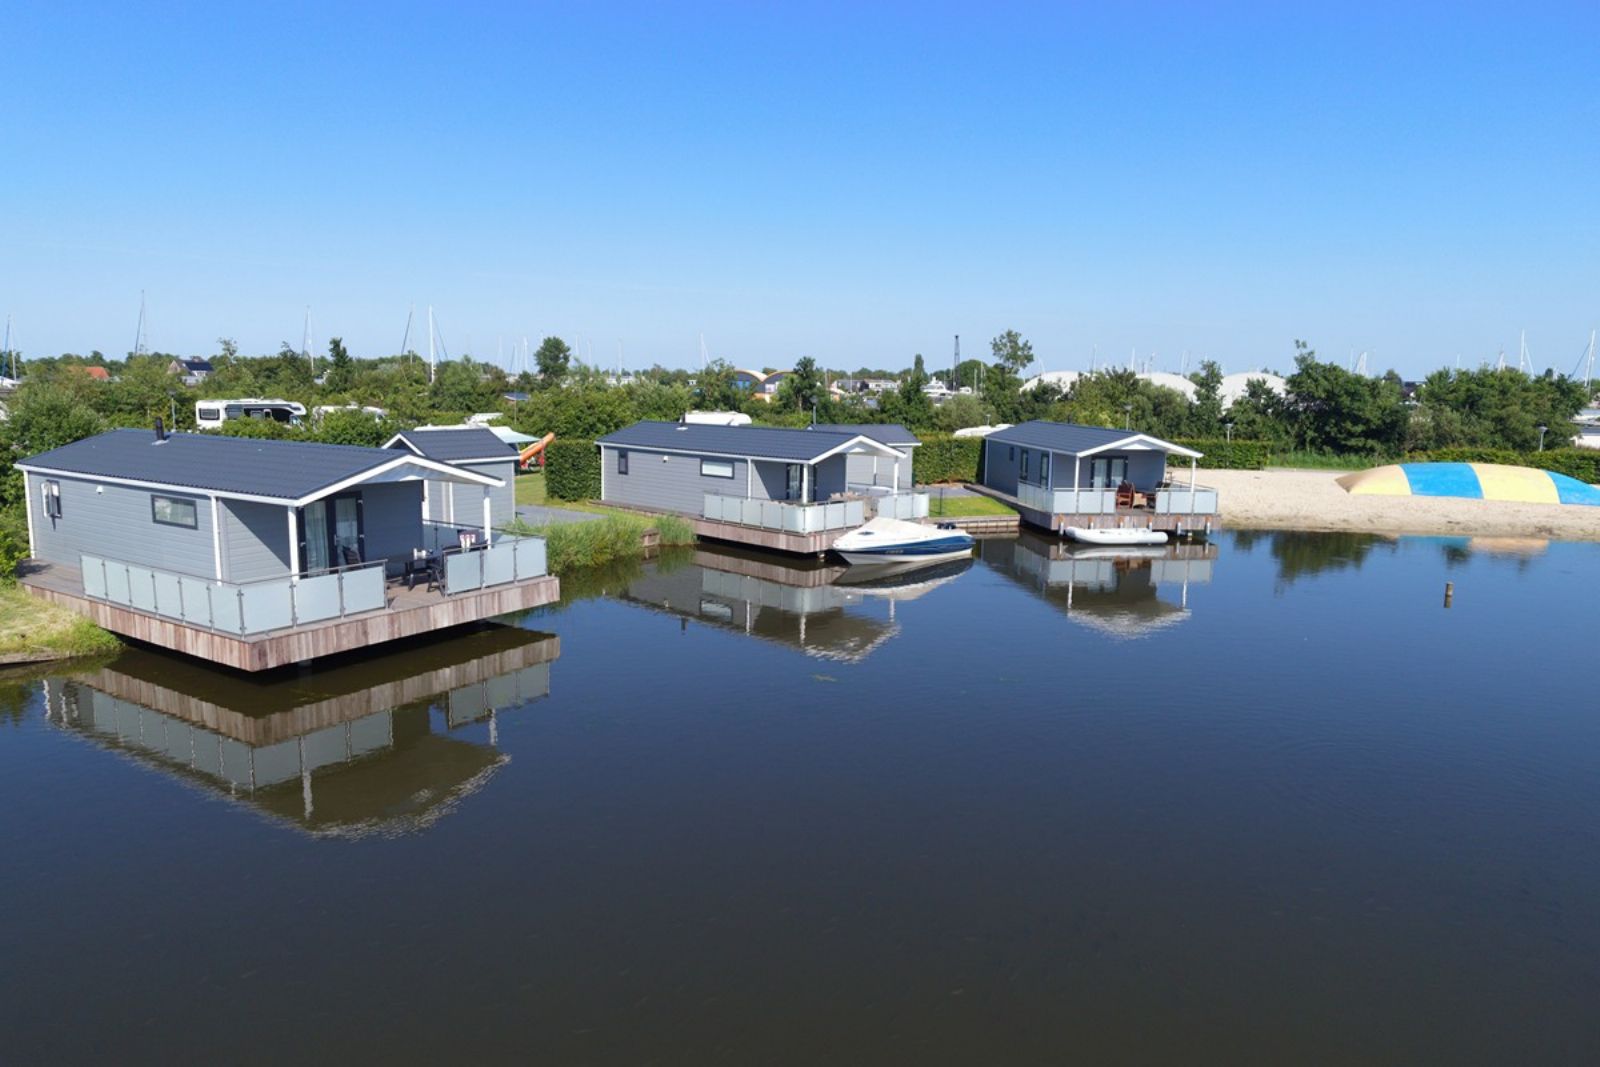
(243, 629)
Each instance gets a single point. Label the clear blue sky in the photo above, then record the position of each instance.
(854, 182)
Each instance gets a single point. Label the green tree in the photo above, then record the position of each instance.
(959, 412)
(1205, 416)
(801, 388)
(1012, 352)
(555, 359)
(911, 405)
(341, 372)
(1330, 409)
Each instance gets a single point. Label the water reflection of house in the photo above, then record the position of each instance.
(1115, 591)
(805, 606)
(372, 746)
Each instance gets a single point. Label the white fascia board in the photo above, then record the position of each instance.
(1143, 442)
(166, 487)
(444, 470)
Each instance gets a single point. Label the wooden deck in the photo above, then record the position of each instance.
(1196, 525)
(812, 544)
(410, 612)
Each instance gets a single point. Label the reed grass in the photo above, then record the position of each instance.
(577, 545)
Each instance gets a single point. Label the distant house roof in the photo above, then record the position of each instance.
(290, 472)
(888, 433)
(1075, 440)
(195, 366)
(453, 444)
(753, 442)
(99, 374)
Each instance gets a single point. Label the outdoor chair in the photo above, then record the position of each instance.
(351, 557)
(1125, 495)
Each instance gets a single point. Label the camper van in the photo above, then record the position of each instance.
(211, 414)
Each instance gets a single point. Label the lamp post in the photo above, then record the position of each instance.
(1127, 411)
(1542, 429)
(1228, 426)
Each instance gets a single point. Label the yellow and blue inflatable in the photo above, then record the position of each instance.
(1471, 481)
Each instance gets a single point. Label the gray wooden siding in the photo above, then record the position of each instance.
(454, 502)
(878, 470)
(1000, 466)
(391, 515)
(771, 481)
(115, 523)
(255, 540)
(828, 477)
(662, 481)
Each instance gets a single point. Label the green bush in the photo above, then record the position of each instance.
(942, 458)
(580, 545)
(1580, 463)
(572, 470)
(1224, 455)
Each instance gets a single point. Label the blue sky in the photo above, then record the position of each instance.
(854, 182)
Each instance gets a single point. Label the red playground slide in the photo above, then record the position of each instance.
(534, 453)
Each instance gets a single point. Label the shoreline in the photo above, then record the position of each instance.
(1311, 501)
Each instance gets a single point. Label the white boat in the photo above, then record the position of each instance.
(897, 541)
(1116, 536)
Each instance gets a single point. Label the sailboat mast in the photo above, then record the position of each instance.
(138, 334)
(305, 343)
(1588, 370)
(430, 344)
(406, 340)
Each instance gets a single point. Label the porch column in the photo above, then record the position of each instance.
(1077, 470)
(27, 498)
(488, 515)
(1192, 464)
(749, 478)
(805, 483)
(216, 535)
(894, 481)
(294, 543)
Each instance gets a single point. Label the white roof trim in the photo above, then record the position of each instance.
(403, 439)
(444, 470)
(1157, 443)
(882, 449)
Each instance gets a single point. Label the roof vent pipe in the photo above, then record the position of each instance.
(161, 431)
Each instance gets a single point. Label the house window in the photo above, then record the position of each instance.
(51, 491)
(1024, 464)
(716, 468)
(174, 511)
(1044, 468)
(1011, 453)
(622, 461)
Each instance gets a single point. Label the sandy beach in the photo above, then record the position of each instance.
(1313, 500)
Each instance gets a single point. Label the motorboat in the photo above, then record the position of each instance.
(1118, 536)
(894, 541)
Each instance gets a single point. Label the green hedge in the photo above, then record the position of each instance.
(942, 458)
(572, 470)
(1225, 455)
(1580, 463)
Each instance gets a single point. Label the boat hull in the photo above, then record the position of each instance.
(1116, 537)
(924, 553)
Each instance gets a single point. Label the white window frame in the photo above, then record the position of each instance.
(194, 511)
(714, 468)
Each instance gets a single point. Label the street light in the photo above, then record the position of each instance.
(1542, 429)
(1229, 427)
(1127, 422)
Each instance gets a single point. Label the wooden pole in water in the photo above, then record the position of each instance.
(1449, 592)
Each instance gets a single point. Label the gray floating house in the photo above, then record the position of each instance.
(472, 448)
(1060, 474)
(873, 470)
(790, 489)
(254, 553)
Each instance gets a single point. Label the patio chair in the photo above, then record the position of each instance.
(1125, 495)
(351, 557)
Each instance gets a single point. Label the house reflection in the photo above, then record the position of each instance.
(820, 609)
(384, 744)
(1115, 591)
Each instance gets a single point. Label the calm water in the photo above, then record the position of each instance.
(1270, 803)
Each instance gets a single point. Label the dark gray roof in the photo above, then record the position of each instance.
(762, 442)
(889, 433)
(197, 366)
(284, 470)
(456, 445)
(1066, 437)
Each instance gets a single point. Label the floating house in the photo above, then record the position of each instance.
(471, 448)
(257, 553)
(862, 469)
(1060, 474)
(791, 490)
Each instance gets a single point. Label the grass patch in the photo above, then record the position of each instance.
(530, 488)
(31, 626)
(578, 545)
(1320, 461)
(954, 506)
